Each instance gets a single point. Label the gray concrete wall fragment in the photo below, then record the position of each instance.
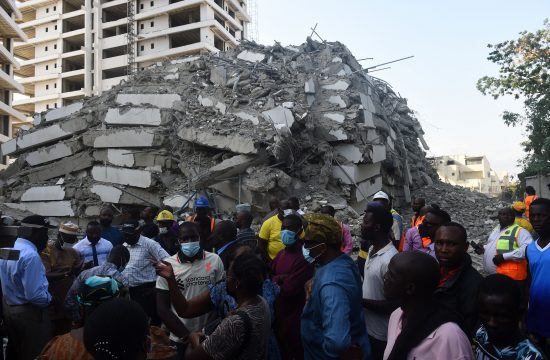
(235, 143)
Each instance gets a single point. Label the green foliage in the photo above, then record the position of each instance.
(525, 74)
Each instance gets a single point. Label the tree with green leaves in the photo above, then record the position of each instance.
(525, 74)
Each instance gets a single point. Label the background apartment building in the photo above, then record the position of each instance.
(9, 31)
(472, 172)
(81, 48)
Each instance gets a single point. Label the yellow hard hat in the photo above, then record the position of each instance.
(165, 215)
(519, 206)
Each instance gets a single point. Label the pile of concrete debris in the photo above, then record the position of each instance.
(239, 126)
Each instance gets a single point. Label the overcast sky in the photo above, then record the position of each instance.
(449, 41)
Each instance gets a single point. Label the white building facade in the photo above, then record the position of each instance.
(9, 33)
(472, 172)
(80, 48)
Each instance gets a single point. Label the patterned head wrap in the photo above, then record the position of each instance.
(519, 206)
(323, 228)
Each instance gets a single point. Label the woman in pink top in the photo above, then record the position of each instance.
(421, 328)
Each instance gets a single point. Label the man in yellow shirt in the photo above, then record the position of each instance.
(519, 209)
(270, 243)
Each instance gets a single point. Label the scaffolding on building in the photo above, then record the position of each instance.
(131, 38)
(253, 31)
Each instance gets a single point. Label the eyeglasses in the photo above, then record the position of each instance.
(318, 243)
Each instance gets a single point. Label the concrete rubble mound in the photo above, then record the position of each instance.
(241, 126)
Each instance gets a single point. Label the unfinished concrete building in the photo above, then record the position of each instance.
(9, 31)
(238, 126)
(83, 48)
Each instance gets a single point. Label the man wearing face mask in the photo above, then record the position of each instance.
(194, 270)
(140, 270)
(108, 231)
(25, 291)
(113, 267)
(269, 243)
(377, 223)
(291, 272)
(166, 237)
(62, 264)
(333, 321)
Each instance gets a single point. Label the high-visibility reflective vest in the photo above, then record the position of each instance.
(508, 241)
(528, 200)
(193, 217)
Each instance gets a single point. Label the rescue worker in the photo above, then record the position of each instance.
(504, 252)
(417, 206)
(397, 230)
(530, 196)
(166, 237)
(205, 221)
(519, 209)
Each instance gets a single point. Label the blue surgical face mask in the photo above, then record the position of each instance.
(288, 237)
(190, 249)
(305, 251)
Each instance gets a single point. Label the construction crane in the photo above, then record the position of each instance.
(131, 38)
(253, 31)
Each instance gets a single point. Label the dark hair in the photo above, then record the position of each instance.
(542, 201)
(456, 225)
(227, 230)
(247, 217)
(530, 190)
(437, 211)
(274, 203)
(294, 202)
(107, 208)
(92, 223)
(498, 284)
(117, 253)
(295, 220)
(189, 225)
(117, 329)
(381, 216)
(250, 271)
(328, 209)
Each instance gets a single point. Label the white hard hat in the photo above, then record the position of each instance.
(381, 195)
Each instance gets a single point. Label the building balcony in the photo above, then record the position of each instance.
(9, 28)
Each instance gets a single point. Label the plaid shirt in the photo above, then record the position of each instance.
(140, 270)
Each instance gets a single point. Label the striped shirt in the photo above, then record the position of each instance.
(247, 237)
(140, 269)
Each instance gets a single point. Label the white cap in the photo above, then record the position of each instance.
(381, 195)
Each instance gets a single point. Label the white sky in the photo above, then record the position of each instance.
(449, 42)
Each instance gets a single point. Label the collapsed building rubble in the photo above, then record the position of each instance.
(241, 126)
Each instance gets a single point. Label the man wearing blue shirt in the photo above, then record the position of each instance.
(109, 232)
(333, 321)
(25, 288)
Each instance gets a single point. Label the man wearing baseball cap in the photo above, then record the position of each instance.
(397, 230)
(62, 264)
(25, 289)
(333, 321)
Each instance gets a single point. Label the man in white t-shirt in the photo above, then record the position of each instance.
(377, 223)
(194, 269)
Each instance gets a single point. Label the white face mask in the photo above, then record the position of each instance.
(288, 212)
(67, 245)
(163, 230)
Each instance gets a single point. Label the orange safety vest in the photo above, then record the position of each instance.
(193, 217)
(507, 242)
(528, 200)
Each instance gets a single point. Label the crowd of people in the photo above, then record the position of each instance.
(163, 286)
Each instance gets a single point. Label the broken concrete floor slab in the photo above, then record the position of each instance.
(355, 174)
(47, 208)
(54, 152)
(251, 56)
(279, 116)
(127, 138)
(122, 176)
(234, 143)
(133, 116)
(158, 100)
(44, 193)
(67, 165)
(62, 112)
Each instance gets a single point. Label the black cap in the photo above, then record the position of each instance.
(130, 226)
(36, 221)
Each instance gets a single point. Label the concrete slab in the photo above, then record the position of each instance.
(49, 208)
(123, 139)
(106, 193)
(390, 143)
(144, 197)
(67, 165)
(92, 211)
(251, 56)
(176, 201)
(368, 188)
(378, 153)
(279, 116)
(62, 112)
(122, 176)
(350, 152)
(234, 143)
(185, 60)
(337, 117)
(336, 99)
(212, 102)
(42, 136)
(340, 85)
(393, 135)
(309, 86)
(44, 193)
(338, 134)
(133, 116)
(246, 116)
(120, 157)
(158, 100)
(350, 174)
(368, 119)
(172, 77)
(54, 152)
(218, 75)
(9, 147)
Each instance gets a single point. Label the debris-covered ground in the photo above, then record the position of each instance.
(240, 126)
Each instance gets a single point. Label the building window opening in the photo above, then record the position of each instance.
(152, 3)
(152, 23)
(141, 26)
(46, 48)
(47, 10)
(47, 87)
(46, 29)
(141, 48)
(47, 66)
(152, 45)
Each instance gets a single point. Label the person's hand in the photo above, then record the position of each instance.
(308, 287)
(498, 259)
(195, 339)
(478, 248)
(164, 269)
